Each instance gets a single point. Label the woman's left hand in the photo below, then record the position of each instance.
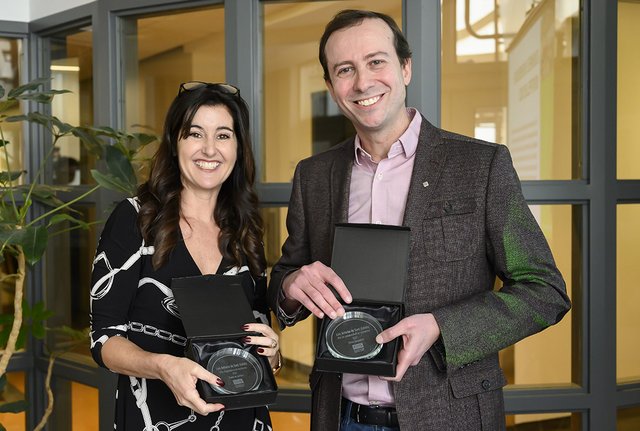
(268, 344)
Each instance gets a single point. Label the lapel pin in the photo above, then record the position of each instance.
(425, 184)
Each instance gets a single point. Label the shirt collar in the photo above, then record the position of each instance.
(406, 144)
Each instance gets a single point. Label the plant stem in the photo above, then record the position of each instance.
(47, 384)
(17, 313)
(63, 206)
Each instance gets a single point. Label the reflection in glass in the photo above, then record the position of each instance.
(299, 116)
(10, 61)
(14, 391)
(628, 419)
(543, 422)
(628, 293)
(509, 75)
(527, 362)
(69, 260)
(628, 111)
(159, 55)
(72, 69)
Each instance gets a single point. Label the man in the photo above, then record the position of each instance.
(469, 223)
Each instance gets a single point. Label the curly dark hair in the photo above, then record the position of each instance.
(350, 17)
(236, 211)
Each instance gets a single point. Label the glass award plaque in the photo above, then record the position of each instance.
(239, 369)
(353, 336)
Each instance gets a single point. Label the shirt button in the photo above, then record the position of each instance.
(379, 176)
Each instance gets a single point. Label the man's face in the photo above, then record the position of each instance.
(367, 80)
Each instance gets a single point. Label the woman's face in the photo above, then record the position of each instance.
(209, 152)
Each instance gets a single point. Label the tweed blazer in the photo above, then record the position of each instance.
(469, 224)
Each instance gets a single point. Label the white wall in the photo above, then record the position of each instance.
(13, 10)
(42, 8)
(29, 10)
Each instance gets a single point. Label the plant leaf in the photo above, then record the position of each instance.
(30, 86)
(7, 176)
(59, 218)
(5, 105)
(88, 137)
(14, 406)
(34, 243)
(1, 91)
(111, 182)
(4, 143)
(63, 128)
(119, 165)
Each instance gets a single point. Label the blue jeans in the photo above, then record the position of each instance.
(348, 424)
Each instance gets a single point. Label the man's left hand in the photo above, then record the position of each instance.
(418, 332)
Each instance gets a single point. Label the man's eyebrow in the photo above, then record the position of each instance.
(376, 54)
(366, 57)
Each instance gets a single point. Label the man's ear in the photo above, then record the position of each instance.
(406, 72)
(327, 82)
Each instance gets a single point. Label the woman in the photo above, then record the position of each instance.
(197, 214)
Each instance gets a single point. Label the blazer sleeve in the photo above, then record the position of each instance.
(295, 253)
(533, 294)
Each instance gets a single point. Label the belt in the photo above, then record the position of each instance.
(372, 415)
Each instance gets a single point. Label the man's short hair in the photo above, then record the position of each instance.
(349, 18)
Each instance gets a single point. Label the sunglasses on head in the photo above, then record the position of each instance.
(218, 86)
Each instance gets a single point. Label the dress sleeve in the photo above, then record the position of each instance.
(114, 277)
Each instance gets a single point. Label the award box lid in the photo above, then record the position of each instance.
(212, 305)
(372, 260)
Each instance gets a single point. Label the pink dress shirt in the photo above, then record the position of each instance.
(378, 194)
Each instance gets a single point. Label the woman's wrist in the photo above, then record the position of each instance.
(278, 364)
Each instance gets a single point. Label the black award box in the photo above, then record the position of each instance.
(213, 309)
(372, 261)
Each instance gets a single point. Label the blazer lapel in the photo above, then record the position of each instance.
(428, 164)
(340, 182)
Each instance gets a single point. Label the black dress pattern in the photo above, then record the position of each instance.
(130, 299)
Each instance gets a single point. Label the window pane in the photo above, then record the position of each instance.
(628, 419)
(543, 422)
(162, 51)
(297, 343)
(628, 90)
(84, 408)
(509, 75)
(75, 407)
(527, 361)
(299, 116)
(72, 69)
(68, 265)
(14, 391)
(290, 421)
(10, 61)
(628, 293)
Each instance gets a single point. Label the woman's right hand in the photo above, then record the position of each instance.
(181, 375)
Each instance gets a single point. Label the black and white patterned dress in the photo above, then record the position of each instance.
(130, 299)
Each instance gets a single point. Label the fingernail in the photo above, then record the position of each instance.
(246, 340)
(379, 340)
(245, 327)
(332, 315)
(220, 382)
(349, 299)
(260, 350)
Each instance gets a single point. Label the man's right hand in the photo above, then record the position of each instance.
(308, 286)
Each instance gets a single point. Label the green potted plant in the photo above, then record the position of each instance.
(24, 236)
